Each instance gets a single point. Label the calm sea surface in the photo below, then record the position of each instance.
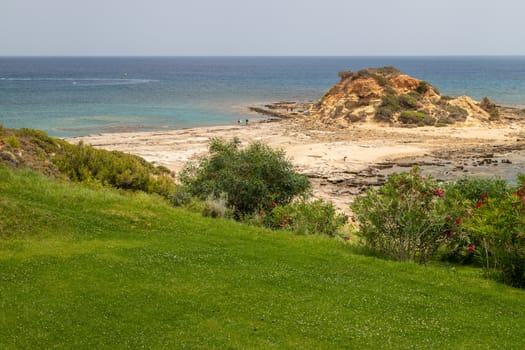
(80, 96)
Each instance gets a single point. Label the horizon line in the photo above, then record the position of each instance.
(263, 56)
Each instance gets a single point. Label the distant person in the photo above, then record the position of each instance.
(246, 121)
(239, 122)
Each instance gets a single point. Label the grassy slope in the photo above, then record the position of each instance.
(98, 269)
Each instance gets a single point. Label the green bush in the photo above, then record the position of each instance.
(456, 113)
(40, 139)
(461, 197)
(490, 107)
(180, 197)
(416, 118)
(405, 219)
(116, 169)
(499, 225)
(472, 189)
(408, 101)
(423, 87)
(345, 74)
(251, 179)
(304, 217)
(381, 80)
(13, 141)
(389, 106)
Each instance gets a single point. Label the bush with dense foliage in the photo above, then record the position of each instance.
(304, 217)
(405, 219)
(498, 224)
(461, 196)
(250, 179)
(416, 118)
(84, 163)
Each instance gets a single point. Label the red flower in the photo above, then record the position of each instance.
(439, 192)
(274, 204)
(471, 248)
(458, 221)
(479, 204)
(450, 234)
(484, 196)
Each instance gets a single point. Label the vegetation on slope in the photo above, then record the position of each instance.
(34, 149)
(102, 269)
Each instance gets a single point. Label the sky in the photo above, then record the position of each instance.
(261, 27)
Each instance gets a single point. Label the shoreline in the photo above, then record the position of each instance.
(340, 163)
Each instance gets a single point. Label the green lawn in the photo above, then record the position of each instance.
(84, 269)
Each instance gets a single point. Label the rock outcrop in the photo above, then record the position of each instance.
(386, 95)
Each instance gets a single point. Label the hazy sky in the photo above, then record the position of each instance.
(262, 27)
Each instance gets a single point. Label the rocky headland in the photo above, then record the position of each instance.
(386, 96)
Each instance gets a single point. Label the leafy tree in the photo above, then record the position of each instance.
(251, 179)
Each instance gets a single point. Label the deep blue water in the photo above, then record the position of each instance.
(79, 96)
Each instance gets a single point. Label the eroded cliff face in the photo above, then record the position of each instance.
(386, 95)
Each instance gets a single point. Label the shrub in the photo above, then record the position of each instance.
(381, 80)
(112, 168)
(345, 74)
(456, 113)
(389, 106)
(181, 196)
(303, 217)
(472, 189)
(387, 70)
(405, 219)
(423, 87)
(13, 141)
(42, 140)
(499, 226)
(216, 208)
(490, 107)
(461, 197)
(416, 118)
(408, 102)
(251, 178)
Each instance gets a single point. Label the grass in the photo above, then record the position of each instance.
(89, 269)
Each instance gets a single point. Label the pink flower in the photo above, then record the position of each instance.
(471, 248)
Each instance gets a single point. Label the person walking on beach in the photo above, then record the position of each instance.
(246, 121)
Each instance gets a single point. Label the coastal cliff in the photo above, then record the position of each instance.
(388, 96)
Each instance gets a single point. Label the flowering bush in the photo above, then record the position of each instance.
(498, 224)
(461, 196)
(405, 219)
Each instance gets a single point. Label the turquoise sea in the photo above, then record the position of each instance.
(73, 96)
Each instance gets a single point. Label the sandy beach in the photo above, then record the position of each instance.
(340, 163)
